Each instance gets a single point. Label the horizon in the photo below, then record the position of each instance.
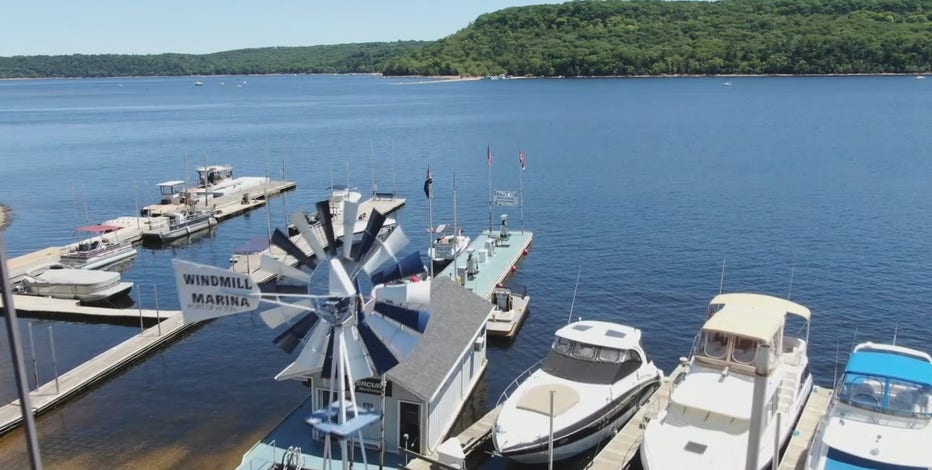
(111, 27)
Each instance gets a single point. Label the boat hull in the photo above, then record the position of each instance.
(176, 233)
(96, 262)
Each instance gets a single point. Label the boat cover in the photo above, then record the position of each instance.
(890, 365)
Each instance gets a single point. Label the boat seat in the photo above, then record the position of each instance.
(537, 399)
(905, 400)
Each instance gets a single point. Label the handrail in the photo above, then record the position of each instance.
(517, 381)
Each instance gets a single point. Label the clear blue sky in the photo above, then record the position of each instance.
(30, 27)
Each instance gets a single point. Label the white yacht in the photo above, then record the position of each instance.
(447, 243)
(880, 414)
(707, 421)
(598, 375)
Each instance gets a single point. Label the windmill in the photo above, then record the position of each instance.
(344, 334)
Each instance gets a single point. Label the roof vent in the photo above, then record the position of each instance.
(695, 447)
(581, 327)
(614, 334)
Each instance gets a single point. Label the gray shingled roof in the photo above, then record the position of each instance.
(456, 315)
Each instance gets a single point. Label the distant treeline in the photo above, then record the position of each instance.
(612, 37)
(587, 38)
(340, 58)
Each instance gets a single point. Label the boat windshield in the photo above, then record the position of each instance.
(886, 395)
(582, 362)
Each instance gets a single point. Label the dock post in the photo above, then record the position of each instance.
(158, 316)
(54, 359)
(550, 449)
(16, 354)
(139, 304)
(32, 348)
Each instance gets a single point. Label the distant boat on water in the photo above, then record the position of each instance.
(198, 83)
(920, 77)
(727, 84)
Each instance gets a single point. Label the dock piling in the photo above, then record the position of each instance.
(54, 358)
(32, 349)
(139, 305)
(158, 319)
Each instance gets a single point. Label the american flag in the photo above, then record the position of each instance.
(428, 184)
(522, 159)
(489, 155)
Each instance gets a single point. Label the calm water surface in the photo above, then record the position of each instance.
(816, 187)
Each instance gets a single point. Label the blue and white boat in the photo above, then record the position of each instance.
(880, 415)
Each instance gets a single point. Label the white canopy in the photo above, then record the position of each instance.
(763, 325)
(760, 302)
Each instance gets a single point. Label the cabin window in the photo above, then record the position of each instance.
(584, 351)
(715, 345)
(562, 346)
(745, 350)
(609, 355)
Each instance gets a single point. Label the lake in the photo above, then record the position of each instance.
(813, 188)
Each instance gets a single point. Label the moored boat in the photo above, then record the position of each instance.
(180, 224)
(79, 284)
(98, 251)
(707, 422)
(447, 243)
(594, 378)
(881, 414)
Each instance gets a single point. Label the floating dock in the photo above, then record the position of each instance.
(795, 455)
(620, 451)
(50, 307)
(249, 263)
(70, 383)
(470, 439)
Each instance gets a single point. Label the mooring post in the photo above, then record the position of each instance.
(54, 358)
(139, 304)
(32, 348)
(158, 316)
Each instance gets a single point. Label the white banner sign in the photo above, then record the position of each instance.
(505, 198)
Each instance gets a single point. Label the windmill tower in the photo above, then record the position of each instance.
(347, 333)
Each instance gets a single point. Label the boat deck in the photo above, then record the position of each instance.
(293, 431)
(795, 455)
(70, 383)
(231, 205)
(620, 451)
(249, 264)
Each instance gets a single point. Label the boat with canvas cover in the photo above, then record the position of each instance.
(79, 284)
(598, 375)
(707, 421)
(881, 414)
(99, 251)
(447, 243)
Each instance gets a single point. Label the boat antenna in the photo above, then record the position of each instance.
(721, 281)
(573, 303)
(393, 168)
(896, 327)
(284, 196)
(265, 195)
(835, 375)
(790, 290)
(372, 165)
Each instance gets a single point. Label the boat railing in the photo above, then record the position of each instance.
(517, 381)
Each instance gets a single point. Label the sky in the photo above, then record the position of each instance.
(51, 27)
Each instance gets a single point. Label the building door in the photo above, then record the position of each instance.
(409, 422)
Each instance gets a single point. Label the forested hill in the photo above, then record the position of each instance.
(613, 37)
(340, 58)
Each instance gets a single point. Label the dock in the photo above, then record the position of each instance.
(470, 439)
(795, 455)
(620, 451)
(51, 307)
(494, 264)
(249, 263)
(55, 392)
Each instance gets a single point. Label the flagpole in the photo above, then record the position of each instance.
(455, 253)
(489, 160)
(430, 220)
(521, 186)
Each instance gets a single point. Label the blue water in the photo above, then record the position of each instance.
(813, 187)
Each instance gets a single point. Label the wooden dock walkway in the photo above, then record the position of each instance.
(795, 456)
(47, 306)
(52, 394)
(620, 451)
(470, 439)
(249, 264)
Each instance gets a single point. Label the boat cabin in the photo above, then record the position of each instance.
(212, 174)
(595, 352)
(739, 324)
(172, 192)
(889, 380)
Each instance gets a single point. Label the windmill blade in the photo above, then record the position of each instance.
(270, 264)
(357, 355)
(382, 357)
(326, 221)
(387, 250)
(278, 316)
(206, 292)
(407, 294)
(340, 285)
(398, 339)
(373, 227)
(350, 213)
(282, 241)
(413, 319)
(410, 265)
(309, 235)
(312, 356)
(289, 339)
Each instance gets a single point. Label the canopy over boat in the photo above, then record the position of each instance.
(97, 228)
(763, 325)
(890, 365)
(760, 302)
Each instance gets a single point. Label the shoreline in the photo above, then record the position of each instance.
(4, 216)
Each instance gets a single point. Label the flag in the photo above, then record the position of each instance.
(489, 155)
(428, 183)
(522, 159)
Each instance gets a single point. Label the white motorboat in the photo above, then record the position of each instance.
(447, 243)
(881, 413)
(510, 309)
(79, 284)
(707, 421)
(597, 375)
(180, 224)
(98, 251)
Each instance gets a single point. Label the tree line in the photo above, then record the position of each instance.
(586, 38)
